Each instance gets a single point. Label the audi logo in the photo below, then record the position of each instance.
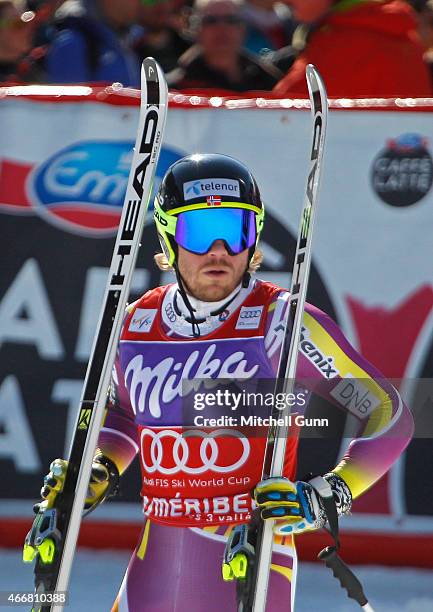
(209, 451)
(170, 313)
(250, 314)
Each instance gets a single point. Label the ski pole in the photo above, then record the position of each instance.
(345, 576)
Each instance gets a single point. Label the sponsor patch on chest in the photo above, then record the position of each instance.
(249, 317)
(142, 320)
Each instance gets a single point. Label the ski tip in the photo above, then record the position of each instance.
(316, 87)
(312, 75)
(310, 69)
(150, 69)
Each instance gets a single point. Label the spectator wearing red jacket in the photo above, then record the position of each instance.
(362, 48)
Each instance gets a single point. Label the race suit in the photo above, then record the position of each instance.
(197, 484)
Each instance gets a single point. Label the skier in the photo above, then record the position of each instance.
(219, 321)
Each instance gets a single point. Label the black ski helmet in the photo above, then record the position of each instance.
(192, 181)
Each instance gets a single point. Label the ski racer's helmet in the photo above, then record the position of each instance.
(208, 197)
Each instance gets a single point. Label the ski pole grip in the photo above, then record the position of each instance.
(344, 575)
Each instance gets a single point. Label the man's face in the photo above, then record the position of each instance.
(221, 29)
(213, 276)
(308, 11)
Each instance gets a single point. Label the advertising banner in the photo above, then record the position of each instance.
(63, 174)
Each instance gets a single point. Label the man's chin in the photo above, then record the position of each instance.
(214, 292)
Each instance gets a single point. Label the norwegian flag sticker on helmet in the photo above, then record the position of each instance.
(213, 200)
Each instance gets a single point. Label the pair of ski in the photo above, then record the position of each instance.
(60, 525)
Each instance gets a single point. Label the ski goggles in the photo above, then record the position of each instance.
(197, 230)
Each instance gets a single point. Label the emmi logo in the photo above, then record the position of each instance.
(320, 361)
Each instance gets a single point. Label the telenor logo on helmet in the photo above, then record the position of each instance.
(211, 186)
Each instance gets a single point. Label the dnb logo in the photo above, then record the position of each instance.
(402, 173)
(81, 188)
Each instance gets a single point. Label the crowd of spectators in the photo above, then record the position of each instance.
(363, 48)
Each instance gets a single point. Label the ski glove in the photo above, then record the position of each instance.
(298, 506)
(43, 537)
(104, 480)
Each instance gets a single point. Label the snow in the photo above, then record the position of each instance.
(97, 575)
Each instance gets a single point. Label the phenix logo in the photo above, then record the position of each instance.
(164, 382)
(320, 361)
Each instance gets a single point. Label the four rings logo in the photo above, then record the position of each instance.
(249, 317)
(168, 457)
(250, 314)
(171, 315)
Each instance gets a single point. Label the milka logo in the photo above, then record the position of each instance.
(163, 382)
(320, 361)
(211, 186)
